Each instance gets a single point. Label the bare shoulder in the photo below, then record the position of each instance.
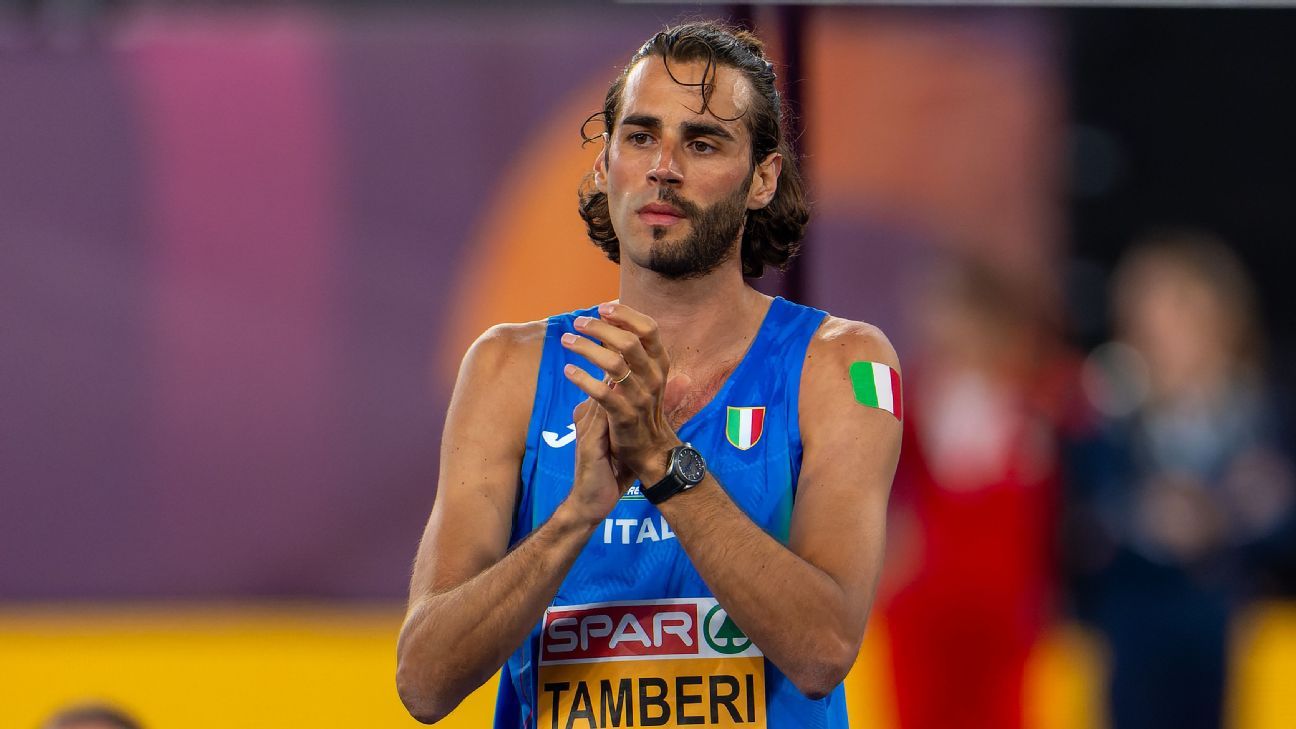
(829, 396)
(497, 380)
(839, 342)
(508, 346)
(505, 357)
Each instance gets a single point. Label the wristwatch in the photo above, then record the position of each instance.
(685, 470)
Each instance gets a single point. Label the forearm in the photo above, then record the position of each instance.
(795, 612)
(454, 640)
(805, 604)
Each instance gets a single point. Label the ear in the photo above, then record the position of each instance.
(600, 167)
(764, 181)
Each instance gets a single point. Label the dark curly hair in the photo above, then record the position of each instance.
(771, 235)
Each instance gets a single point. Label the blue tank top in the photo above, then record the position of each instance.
(634, 637)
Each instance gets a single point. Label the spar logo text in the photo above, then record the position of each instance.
(613, 631)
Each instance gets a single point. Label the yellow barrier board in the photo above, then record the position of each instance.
(202, 668)
(302, 665)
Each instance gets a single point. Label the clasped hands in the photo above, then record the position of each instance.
(623, 422)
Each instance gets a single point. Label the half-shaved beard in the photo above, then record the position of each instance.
(710, 242)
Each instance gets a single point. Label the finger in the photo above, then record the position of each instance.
(603, 358)
(612, 336)
(638, 323)
(623, 342)
(619, 404)
(615, 403)
(617, 370)
(598, 390)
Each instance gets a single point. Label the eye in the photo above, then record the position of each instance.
(639, 138)
(700, 146)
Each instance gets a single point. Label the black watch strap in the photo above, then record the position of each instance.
(665, 488)
(684, 470)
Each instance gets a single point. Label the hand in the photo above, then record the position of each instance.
(597, 483)
(634, 394)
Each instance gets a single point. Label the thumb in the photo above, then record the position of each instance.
(592, 430)
(581, 410)
(676, 388)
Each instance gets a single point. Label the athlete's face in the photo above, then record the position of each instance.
(679, 183)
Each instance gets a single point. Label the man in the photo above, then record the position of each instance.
(626, 578)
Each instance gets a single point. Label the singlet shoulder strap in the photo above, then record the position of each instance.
(787, 330)
(788, 340)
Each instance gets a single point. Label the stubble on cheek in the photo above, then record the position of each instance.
(710, 241)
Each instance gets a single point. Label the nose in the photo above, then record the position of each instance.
(666, 171)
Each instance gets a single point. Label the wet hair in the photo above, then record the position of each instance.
(771, 235)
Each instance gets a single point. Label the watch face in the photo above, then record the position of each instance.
(691, 466)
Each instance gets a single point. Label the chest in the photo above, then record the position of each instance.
(691, 391)
(737, 415)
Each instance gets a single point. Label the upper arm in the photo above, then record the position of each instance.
(482, 447)
(850, 452)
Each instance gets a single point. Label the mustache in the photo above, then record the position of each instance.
(670, 197)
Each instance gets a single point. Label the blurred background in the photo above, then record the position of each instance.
(243, 247)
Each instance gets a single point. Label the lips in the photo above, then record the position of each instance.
(660, 214)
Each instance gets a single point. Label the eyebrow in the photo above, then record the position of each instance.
(703, 129)
(642, 120)
(691, 129)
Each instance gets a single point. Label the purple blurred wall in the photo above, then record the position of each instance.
(228, 243)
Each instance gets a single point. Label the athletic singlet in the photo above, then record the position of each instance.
(634, 638)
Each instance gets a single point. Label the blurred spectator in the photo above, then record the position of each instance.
(1183, 488)
(970, 562)
(91, 716)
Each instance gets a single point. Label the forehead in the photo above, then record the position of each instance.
(651, 90)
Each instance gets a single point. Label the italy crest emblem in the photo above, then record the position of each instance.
(744, 426)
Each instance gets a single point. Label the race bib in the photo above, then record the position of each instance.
(650, 663)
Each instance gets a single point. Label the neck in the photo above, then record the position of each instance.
(699, 319)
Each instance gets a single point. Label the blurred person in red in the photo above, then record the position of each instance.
(1183, 487)
(970, 569)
